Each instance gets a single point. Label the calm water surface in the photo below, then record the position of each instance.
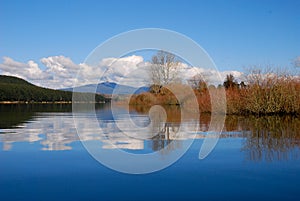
(42, 158)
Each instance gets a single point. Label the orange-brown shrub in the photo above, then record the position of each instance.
(266, 95)
(271, 94)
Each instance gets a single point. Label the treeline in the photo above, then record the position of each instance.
(16, 89)
(263, 94)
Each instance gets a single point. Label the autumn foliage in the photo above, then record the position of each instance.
(263, 94)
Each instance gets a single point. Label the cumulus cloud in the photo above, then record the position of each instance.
(128, 71)
(124, 69)
(211, 76)
(29, 70)
(65, 73)
(60, 65)
(62, 72)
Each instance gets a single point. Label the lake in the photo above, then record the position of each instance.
(43, 158)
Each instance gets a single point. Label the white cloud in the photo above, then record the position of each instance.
(129, 70)
(29, 70)
(62, 72)
(211, 76)
(120, 70)
(60, 65)
(65, 73)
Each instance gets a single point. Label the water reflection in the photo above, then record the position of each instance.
(271, 137)
(52, 126)
(168, 122)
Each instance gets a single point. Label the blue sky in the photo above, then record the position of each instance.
(236, 34)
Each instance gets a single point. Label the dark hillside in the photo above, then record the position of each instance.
(16, 89)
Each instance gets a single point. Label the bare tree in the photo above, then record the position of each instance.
(197, 82)
(164, 69)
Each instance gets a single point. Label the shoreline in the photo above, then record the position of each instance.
(122, 103)
(43, 102)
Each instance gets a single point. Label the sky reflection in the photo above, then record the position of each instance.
(263, 138)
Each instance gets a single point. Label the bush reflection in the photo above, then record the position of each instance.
(263, 138)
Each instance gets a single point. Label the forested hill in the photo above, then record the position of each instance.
(16, 89)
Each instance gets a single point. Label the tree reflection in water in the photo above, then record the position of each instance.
(165, 124)
(266, 137)
(272, 137)
(164, 138)
(263, 138)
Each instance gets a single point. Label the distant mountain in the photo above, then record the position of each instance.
(108, 88)
(17, 89)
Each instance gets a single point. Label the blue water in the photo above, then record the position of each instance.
(27, 172)
(74, 175)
